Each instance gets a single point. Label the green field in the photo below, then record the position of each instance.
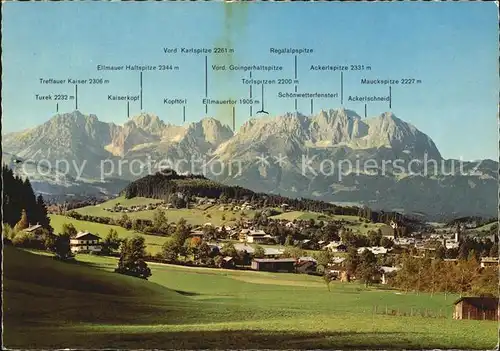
(153, 242)
(52, 304)
(195, 216)
(135, 201)
(364, 228)
(302, 215)
(486, 227)
(353, 221)
(214, 215)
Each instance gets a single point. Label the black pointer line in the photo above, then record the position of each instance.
(206, 83)
(390, 97)
(262, 110)
(251, 109)
(234, 119)
(141, 88)
(295, 66)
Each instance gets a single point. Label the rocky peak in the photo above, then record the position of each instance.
(148, 122)
(209, 129)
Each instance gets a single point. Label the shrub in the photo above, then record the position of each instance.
(8, 232)
(23, 239)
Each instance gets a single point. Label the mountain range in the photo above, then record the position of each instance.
(335, 156)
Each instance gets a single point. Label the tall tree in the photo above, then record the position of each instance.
(440, 252)
(112, 242)
(23, 222)
(258, 252)
(386, 242)
(367, 269)
(69, 229)
(159, 218)
(494, 250)
(170, 250)
(374, 238)
(293, 252)
(352, 260)
(62, 248)
(132, 258)
(229, 250)
(42, 214)
(327, 278)
(323, 258)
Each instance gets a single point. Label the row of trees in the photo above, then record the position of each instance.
(373, 238)
(435, 275)
(364, 266)
(420, 274)
(154, 227)
(469, 246)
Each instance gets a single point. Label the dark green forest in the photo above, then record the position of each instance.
(18, 196)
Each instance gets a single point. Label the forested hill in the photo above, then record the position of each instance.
(163, 185)
(19, 198)
(169, 186)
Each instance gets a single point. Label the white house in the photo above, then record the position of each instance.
(377, 250)
(226, 227)
(290, 225)
(404, 241)
(334, 246)
(337, 260)
(268, 251)
(254, 236)
(451, 245)
(489, 262)
(36, 231)
(394, 225)
(85, 242)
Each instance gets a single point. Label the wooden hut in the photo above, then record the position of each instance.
(482, 308)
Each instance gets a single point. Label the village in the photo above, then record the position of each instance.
(392, 237)
(321, 248)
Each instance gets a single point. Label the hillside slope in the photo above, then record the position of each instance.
(40, 292)
(54, 305)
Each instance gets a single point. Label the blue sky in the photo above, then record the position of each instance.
(451, 47)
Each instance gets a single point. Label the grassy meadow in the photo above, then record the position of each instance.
(194, 216)
(53, 304)
(353, 222)
(291, 215)
(216, 216)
